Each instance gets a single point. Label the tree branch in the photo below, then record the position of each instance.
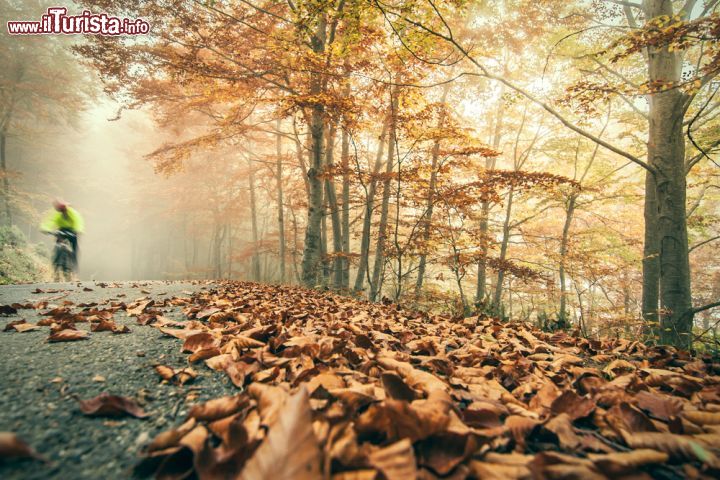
(487, 74)
(704, 242)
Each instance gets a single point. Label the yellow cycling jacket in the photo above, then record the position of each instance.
(70, 220)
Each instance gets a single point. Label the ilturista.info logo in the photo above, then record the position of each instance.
(56, 21)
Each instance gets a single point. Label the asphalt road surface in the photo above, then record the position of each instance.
(39, 380)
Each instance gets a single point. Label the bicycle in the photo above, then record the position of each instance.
(63, 257)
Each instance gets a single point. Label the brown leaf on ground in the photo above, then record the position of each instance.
(677, 446)
(573, 405)
(103, 326)
(396, 461)
(217, 408)
(396, 388)
(290, 450)
(179, 377)
(171, 438)
(106, 405)
(138, 307)
(199, 341)
(68, 335)
(703, 418)
(25, 327)
(180, 333)
(204, 354)
(270, 401)
(562, 427)
(12, 447)
(625, 462)
(658, 404)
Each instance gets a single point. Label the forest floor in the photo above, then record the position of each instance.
(243, 380)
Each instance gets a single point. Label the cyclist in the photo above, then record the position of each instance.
(64, 218)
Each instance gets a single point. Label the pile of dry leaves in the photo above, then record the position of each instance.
(337, 388)
(332, 387)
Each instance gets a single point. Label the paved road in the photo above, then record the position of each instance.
(37, 380)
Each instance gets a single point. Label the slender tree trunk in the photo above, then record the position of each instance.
(497, 298)
(367, 219)
(485, 207)
(427, 221)
(296, 247)
(229, 251)
(375, 284)
(666, 153)
(255, 262)
(325, 265)
(569, 212)
(312, 249)
(345, 163)
(281, 206)
(6, 179)
(337, 270)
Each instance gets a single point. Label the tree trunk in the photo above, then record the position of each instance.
(296, 247)
(569, 212)
(312, 248)
(427, 221)
(255, 263)
(376, 283)
(651, 260)
(337, 270)
(345, 163)
(666, 153)
(325, 265)
(485, 207)
(497, 298)
(6, 180)
(281, 214)
(367, 219)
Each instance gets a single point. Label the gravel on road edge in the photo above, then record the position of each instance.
(38, 381)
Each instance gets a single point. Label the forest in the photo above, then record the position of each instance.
(544, 161)
(360, 239)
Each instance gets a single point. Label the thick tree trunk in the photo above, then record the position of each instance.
(651, 260)
(312, 249)
(281, 206)
(427, 221)
(367, 219)
(666, 153)
(379, 262)
(345, 163)
(6, 180)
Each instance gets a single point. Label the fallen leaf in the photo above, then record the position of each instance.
(217, 408)
(290, 450)
(106, 405)
(625, 462)
(396, 461)
(68, 335)
(12, 447)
